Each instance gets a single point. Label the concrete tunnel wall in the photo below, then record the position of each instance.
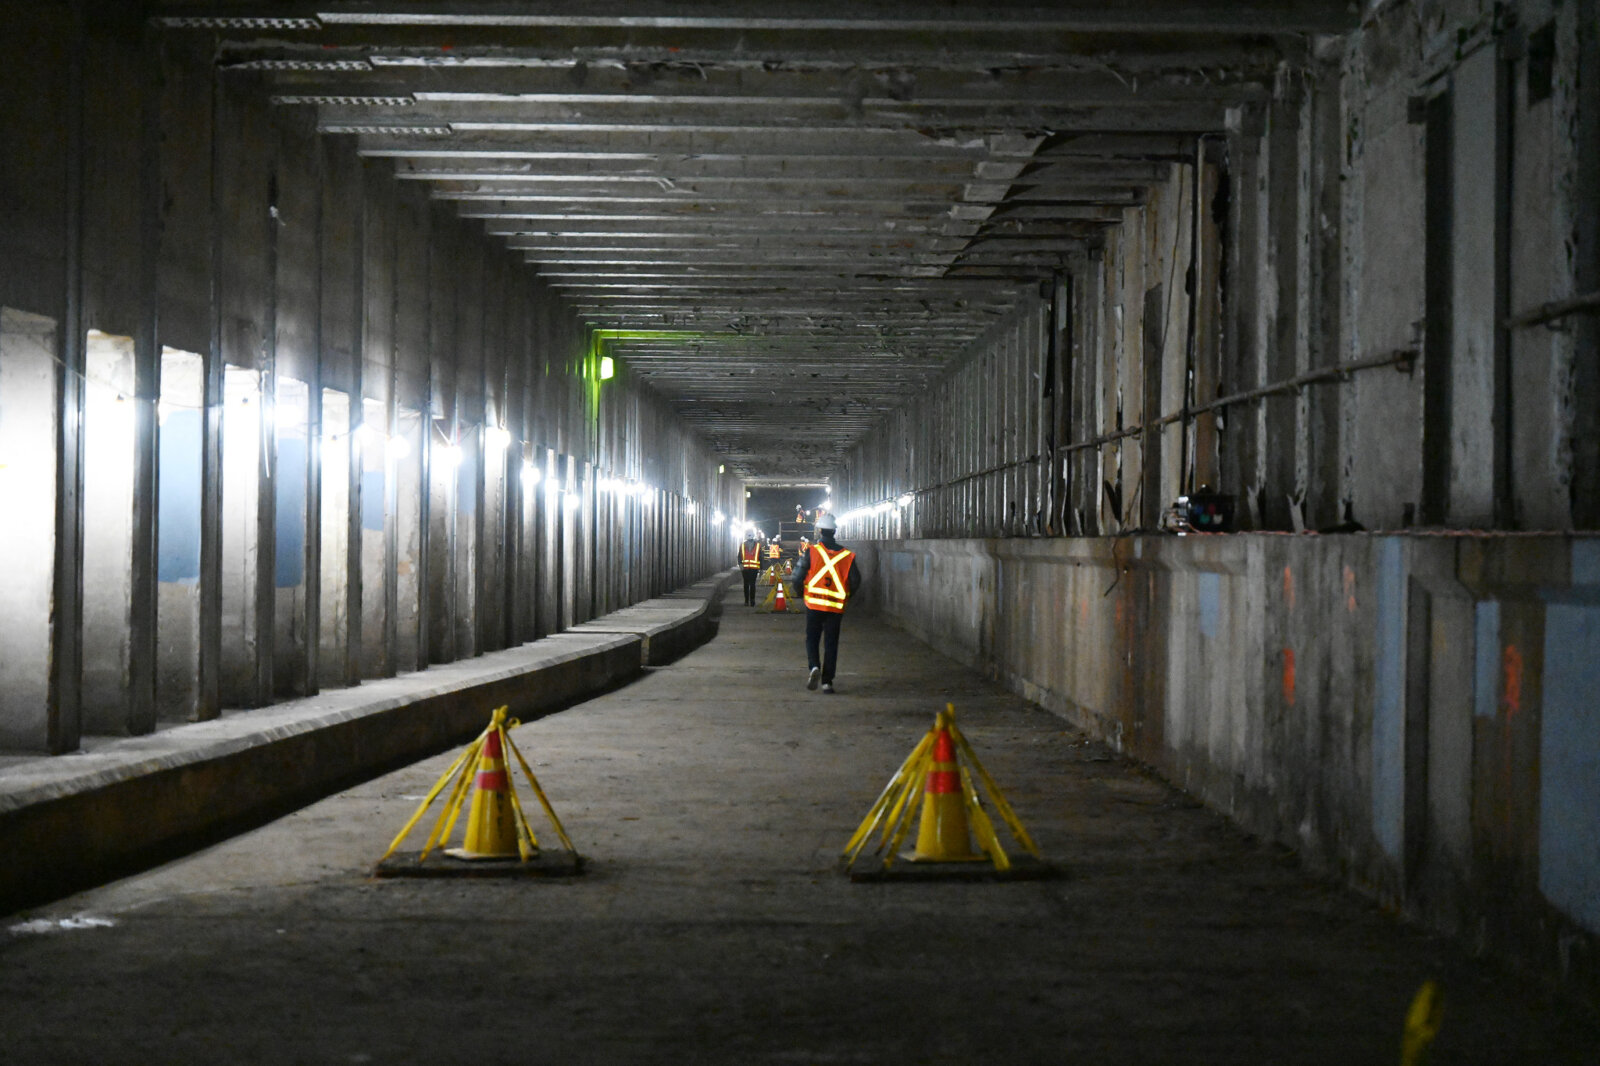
(1413, 710)
(370, 379)
(1414, 713)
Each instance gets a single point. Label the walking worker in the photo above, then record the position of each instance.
(750, 566)
(825, 581)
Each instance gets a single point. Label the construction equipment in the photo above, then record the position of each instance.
(498, 838)
(941, 769)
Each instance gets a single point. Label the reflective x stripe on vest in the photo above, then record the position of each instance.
(750, 558)
(828, 579)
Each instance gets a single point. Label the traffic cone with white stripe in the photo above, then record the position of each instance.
(943, 835)
(491, 822)
(780, 602)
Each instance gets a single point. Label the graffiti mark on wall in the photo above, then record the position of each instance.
(1288, 676)
(1350, 589)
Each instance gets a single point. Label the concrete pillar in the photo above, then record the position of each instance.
(333, 579)
(109, 447)
(29, 416)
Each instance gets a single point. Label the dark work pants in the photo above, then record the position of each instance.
(750, 586)
(822, 627)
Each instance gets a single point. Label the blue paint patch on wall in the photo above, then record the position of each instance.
(1388, 702)
(902, 562)
(1210, 604)
(372, 500)
(289, 564)
(1586, 562)
(1569, 763)
(178, 507)
(1486, 659)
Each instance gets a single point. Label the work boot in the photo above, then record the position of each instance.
(811, 681)
(827, 686)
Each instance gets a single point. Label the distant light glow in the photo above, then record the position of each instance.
(607, 368)
(453, 454)
(497, 438)
(530, 475)
(905, 499)
(397, 448)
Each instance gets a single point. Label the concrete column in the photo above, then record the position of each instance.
(110, 435)
(29, 435)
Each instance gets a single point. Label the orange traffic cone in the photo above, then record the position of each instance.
(780, 602)
(491, 823)
(943, 836)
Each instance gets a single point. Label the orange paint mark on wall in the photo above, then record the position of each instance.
(1511, 697)
(1288, 676)
(1288, 587)
(1350, 590)
(1083, 612)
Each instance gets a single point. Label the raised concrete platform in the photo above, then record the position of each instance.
(74, 820)
(664, 631)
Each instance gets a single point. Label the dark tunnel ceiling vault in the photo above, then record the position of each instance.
(835, 198)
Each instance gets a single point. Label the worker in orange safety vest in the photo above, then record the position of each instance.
(826, 579)
(750, 566)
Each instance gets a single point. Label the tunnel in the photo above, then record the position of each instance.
(1209, 391)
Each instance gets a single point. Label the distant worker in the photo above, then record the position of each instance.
(750, 566)
(774, 549)
(825, 581)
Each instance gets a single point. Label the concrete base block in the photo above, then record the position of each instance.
(548, 863)
(1023, 868)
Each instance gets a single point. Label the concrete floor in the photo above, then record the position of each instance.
(712, 797)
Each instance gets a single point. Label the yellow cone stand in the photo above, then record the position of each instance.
(940, 769)
(498, 838)
(1422, 1025)
(777, 596)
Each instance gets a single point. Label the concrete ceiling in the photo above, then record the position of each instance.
(807, 208)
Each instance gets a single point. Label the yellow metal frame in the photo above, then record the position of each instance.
(895, 807)
(1422, 1025)
(461, 772)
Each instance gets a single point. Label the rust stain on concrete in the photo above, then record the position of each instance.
(1511, 699)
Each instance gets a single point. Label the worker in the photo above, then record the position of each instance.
(750, 565)
(825, 581)
(774, 549)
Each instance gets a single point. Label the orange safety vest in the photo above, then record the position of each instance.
(773, 551)
(828, 579)
(750, 558)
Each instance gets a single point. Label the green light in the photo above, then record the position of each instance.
(606, 368)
